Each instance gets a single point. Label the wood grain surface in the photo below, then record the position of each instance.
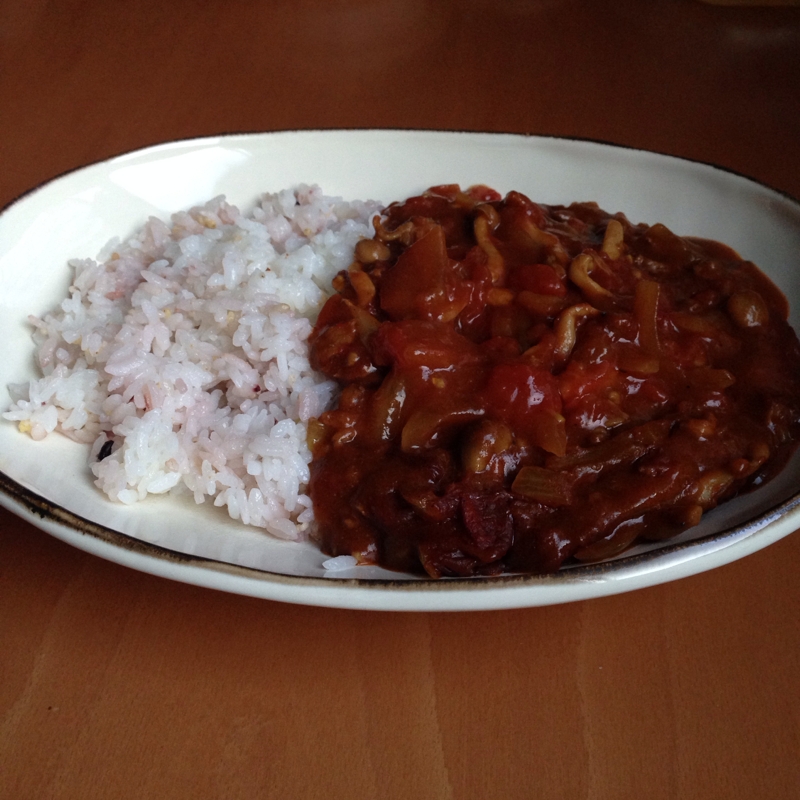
(116, 684)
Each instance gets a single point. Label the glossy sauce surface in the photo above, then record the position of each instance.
(526, 384)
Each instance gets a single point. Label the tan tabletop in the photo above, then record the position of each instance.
(115, 684)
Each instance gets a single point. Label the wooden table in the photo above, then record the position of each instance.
(116, 684)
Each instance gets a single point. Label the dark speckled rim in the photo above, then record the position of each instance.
(661, 564)
(661, 559)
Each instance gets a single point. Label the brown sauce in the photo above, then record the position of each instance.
(525, 384)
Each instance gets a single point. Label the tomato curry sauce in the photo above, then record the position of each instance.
(524, 384)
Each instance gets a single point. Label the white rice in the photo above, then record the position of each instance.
(186, 346)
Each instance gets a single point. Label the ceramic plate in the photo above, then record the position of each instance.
(49, 484)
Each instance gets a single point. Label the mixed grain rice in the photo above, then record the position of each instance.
(183, 351)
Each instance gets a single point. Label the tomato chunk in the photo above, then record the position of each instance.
(514, 390)
(538, 278)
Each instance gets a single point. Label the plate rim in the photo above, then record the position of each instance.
(500, 591)
(527, 135)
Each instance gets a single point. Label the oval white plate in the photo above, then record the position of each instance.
(49, 483)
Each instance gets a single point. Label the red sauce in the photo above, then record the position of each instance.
(525, 384)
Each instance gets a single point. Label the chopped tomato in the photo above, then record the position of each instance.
(514, 390)
(580, 379)
(538, 278)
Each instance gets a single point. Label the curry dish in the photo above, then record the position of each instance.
(523, 385)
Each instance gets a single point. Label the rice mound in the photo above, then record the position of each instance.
(184, 351)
